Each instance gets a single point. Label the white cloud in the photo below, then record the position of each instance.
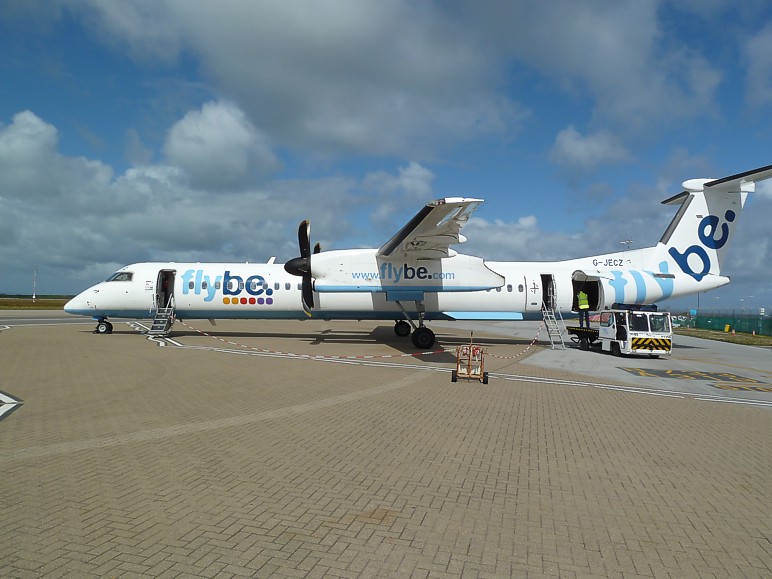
(218, 147)
(575, 151)
(764, 189)
(329, 76)
(411, 186)
(616, 52)
(145, 27)
(73, 219)
(758, 55)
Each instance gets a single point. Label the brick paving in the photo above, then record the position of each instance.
(129, 459)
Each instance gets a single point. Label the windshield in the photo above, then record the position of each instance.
(659, 323)
(120, 276)
(639, 322)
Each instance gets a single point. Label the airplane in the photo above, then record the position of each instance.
(416, 276)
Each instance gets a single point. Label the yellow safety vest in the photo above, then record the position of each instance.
(584, 303)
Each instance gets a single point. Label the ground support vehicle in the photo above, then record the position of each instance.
(630, 331)
(470, 364)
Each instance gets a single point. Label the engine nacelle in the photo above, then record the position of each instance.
(363, 270)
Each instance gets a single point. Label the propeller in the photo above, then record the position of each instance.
(301, 266)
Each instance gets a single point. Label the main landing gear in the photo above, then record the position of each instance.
(423, 338)
(103, 327)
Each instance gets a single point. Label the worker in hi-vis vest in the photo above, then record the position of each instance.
(584, 308)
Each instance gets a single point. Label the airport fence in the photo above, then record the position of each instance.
(728, 320)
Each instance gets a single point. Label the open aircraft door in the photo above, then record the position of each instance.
(591, 283)
(164, 289)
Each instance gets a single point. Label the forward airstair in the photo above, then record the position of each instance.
(162, 323)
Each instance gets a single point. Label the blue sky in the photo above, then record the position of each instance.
(205, 131)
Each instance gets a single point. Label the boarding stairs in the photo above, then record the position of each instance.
(163, 321)
(553, 319)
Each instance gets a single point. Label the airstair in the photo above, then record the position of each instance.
(162, 323)
(553, 319)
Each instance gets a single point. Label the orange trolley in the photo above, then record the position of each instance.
(470, 363)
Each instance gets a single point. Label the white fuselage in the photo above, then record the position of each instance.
(267, 291)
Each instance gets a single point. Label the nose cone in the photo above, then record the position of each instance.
(298, 266)
(79, 306)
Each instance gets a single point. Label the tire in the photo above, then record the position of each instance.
(402, 328)
(423, 338)
(453, 376)
(485, 377)
(103, 327)
(615, 349)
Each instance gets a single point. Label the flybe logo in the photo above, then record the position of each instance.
(195, 281)
(706, 231)
(395, 273)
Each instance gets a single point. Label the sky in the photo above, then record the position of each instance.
(192, 130)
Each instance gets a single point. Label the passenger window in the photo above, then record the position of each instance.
(509, 287)
(520, 288)
(276, 286)
(203, 285)
(217, 285)
(190, 285)
(498, 289)
(253, 285)
(287, 286)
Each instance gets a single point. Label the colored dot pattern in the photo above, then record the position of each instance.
(235, 301)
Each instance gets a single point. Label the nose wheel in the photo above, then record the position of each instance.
(103, 327)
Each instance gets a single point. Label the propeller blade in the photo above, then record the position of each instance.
(304, 238)
(308, 292)
(301, 266)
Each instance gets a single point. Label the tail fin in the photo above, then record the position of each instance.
(695, 241)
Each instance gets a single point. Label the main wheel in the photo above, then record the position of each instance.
(454, 376)
(423, 338)
(402, 328)
(485, 378)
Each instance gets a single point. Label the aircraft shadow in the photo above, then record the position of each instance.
(379, 335)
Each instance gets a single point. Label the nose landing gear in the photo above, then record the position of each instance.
(103, 327)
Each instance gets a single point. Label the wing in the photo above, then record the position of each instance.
(432, 231)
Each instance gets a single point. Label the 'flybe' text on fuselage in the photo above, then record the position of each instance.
(195, 281)
(395, 273)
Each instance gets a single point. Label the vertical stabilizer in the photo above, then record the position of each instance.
(695, 241)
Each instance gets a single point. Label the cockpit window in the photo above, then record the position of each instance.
(121, 276)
